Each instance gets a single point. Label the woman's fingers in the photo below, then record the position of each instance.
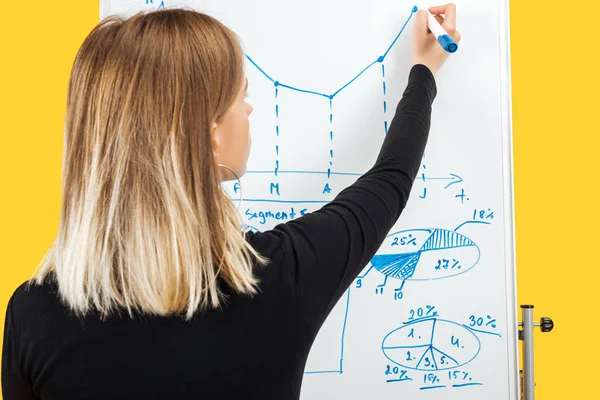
(449, 12)
(441, 9)
(420, 28)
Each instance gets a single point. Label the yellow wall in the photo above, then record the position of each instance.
(556, 109)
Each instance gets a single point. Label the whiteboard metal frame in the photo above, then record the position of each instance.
(509, 209)
(104, 8)
(508, 192)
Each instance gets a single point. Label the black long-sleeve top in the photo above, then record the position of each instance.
(255, 347)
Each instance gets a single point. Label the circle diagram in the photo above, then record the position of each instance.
(426, 254)
(431, 344)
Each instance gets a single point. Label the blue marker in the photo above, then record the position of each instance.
(442, 36)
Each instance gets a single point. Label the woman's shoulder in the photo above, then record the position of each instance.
(32, 300)
(31, 288)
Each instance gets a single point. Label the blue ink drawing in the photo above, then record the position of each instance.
(161, 6)
(338, 180)
(331, 96)
(431, 344)
(424, 254)
(337, 365)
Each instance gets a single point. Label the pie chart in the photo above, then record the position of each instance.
(431, 344)
(426, 254)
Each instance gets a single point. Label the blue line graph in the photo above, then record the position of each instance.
(278, 84)
(330, 96)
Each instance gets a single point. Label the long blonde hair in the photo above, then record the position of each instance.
(144, 223)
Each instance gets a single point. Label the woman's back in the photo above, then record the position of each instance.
(254, 348)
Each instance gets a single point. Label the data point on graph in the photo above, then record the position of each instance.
(380, 59)
(331, 96)
(276, 83)
(415, 9)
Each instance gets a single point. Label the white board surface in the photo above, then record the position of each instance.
(434, 314)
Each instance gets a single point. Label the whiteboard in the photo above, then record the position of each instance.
(324, 79)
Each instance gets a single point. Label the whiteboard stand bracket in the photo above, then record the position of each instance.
(526, 336)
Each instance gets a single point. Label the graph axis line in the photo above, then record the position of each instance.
(340, 369)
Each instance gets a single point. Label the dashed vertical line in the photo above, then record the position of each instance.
(276, 128)
(330, 138)
(385, 121)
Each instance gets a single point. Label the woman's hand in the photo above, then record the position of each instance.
(425, 48)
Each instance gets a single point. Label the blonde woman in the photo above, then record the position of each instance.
(150, 290)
